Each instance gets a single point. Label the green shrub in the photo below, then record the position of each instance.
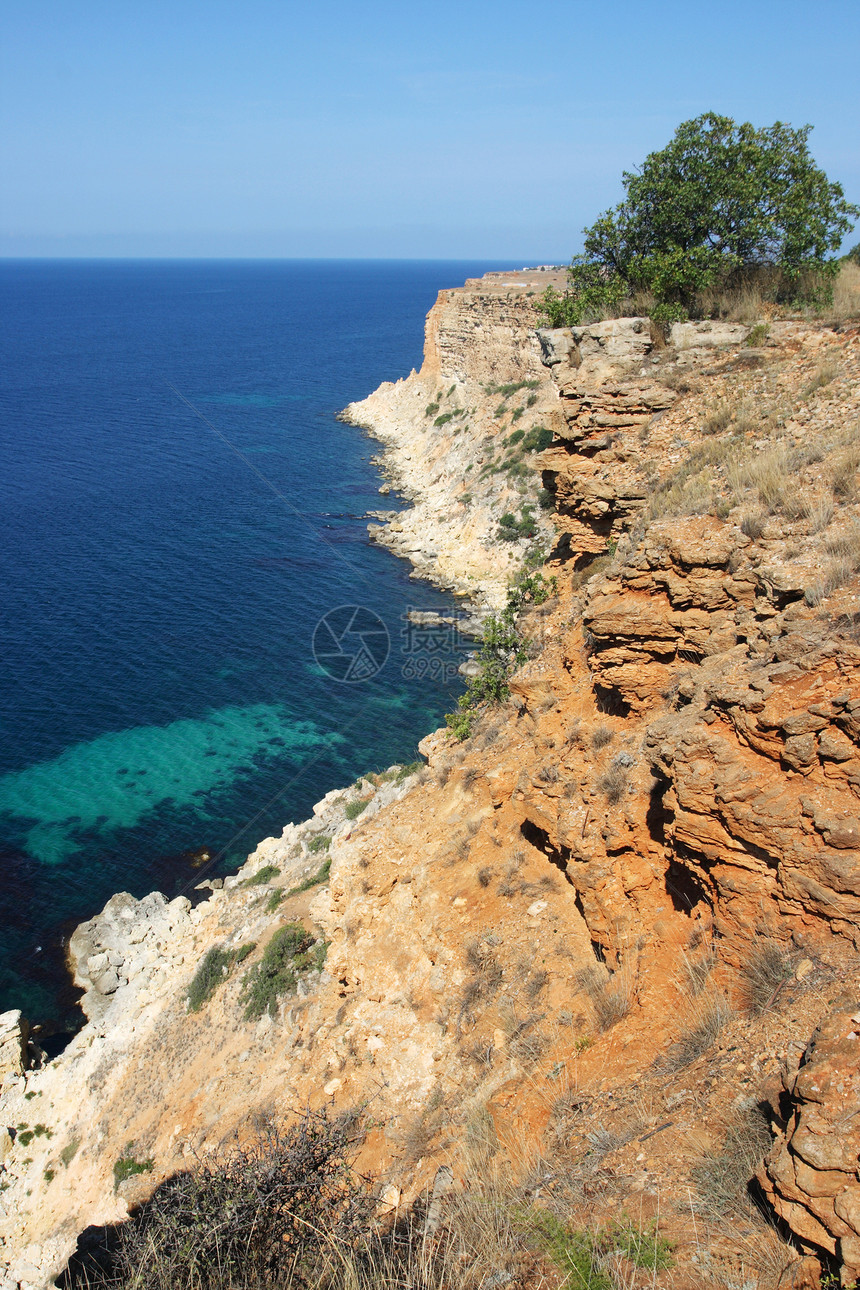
(213, 970)
(546, 499)
(69, 1151)
(444, 419)
(274, 900)
(319, 842)
(515, 437)
(290, 953)
(512, 388)
(431, 409)
(722, 205)
(537, 439)
(572, 1252)
(128, 1167)
(320, 876)
(355, 808)
(512, 529)
(758, 335)
(244, 950)
(502, 651)
(264, 875)
(582, 1256)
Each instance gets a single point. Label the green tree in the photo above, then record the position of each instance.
(721, 202)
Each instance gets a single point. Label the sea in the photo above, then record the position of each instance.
(197, 639)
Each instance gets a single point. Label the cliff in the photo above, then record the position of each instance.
(609, 942)
(456, 436)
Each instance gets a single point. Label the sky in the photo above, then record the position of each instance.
(363, 128)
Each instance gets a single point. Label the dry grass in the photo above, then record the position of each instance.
(710, 1014)
(826, 373)
(767, 968)
(610, 995)
(718, 420)
(722, 1177)
(696, 971)
(843, 475)
(844, 549)
(819, 511)
(753, 525)
(770, 473)
(613, 784)
(601, 736)
(846, 295)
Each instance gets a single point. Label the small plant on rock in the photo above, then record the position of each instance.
(127, 1167)
(290, 953)
(213, 970)
(262, 876)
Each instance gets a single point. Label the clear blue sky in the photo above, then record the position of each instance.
(367, 128)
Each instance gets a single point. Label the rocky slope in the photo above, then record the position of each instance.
(612, 937)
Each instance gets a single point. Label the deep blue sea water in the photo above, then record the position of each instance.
(163, 568)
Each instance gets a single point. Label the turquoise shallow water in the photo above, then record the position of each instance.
(180, 508)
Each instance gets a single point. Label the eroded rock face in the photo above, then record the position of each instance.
(811, 1174)
(448, 441)
(124, 943)
(14, 1036)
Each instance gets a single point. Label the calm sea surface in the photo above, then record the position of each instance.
(163, 568)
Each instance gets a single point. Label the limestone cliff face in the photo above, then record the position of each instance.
(622, 915)
(448, 433)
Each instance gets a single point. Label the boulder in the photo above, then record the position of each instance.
(810, 1174)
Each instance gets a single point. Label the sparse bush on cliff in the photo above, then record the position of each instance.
(262, 876)
(354, 809)
(321, 875)
(512, 529)
(721, 208)
(613, 784)
(537, 440)
(288, 1211)
(213, 970)
(503, 649)
(291, 953)
(271, 1214)
(127, 1167)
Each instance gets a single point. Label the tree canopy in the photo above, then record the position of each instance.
(719, 203)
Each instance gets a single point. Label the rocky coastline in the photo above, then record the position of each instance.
(615, 929)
